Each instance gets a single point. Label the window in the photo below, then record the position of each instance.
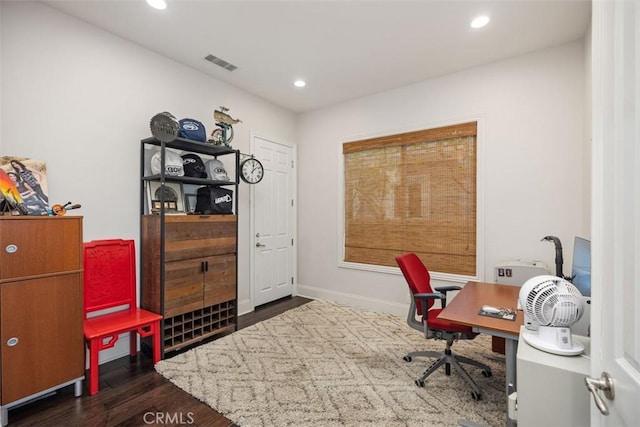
(413, 192)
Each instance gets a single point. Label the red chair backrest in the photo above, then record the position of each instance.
(109, 274)
(417, 276)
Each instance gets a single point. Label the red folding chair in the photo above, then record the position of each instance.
(110, 284)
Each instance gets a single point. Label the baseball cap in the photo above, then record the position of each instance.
(216, 171)
(172, 163)
(193, 166)
(192, 129)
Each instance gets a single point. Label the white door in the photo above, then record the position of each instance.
(273, 219)
(616, 209)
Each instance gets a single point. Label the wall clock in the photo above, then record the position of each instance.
(251, 170)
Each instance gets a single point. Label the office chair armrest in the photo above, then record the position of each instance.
(432, 295)
(428, 296)
(445, 290)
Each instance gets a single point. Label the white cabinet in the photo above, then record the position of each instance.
(551, 388)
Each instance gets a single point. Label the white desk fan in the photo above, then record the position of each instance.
(551, 305)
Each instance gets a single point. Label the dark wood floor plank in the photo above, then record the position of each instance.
(133, 394)
(269, 310)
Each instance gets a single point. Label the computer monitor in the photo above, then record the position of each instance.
(581, 268)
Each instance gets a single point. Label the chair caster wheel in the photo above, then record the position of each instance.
(420, 383)
(487, 374)
(407, 358)
(476, 396)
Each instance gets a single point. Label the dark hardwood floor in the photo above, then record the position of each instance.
(133, 394)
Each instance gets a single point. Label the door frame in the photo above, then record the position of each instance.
(294, 219)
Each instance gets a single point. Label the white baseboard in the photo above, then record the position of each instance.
(244, 306)
(353, 300)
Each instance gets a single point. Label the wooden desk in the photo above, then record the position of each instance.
(464, 308)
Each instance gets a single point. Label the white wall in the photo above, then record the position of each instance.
(1, 95)
(532, 111)
(81, 99)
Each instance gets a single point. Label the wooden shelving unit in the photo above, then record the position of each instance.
(189, 262)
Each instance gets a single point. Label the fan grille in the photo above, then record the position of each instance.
(554, 303)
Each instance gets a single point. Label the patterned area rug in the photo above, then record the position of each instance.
(325, 364)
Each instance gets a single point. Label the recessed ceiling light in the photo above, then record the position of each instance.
(480, 21)
(299, 83)
(157, 4)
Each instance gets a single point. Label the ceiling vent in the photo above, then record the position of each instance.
(220, 62)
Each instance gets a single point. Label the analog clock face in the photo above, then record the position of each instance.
(252, 171)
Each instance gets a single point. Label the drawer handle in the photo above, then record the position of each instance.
(12, 342)
(11, 249)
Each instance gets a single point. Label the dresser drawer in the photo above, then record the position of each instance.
(32, 246)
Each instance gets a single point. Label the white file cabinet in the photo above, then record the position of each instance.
(551, 388)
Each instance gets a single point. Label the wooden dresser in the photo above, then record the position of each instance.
(42, 345)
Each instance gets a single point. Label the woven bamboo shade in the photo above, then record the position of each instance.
(413, 192)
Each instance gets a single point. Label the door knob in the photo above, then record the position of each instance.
(260, 245)
(604, 383)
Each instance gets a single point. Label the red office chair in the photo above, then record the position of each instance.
(422, 301)
(110, 283)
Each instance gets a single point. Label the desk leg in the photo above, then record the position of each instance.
(511, 351)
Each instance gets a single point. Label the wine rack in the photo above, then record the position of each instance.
(187, 328)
